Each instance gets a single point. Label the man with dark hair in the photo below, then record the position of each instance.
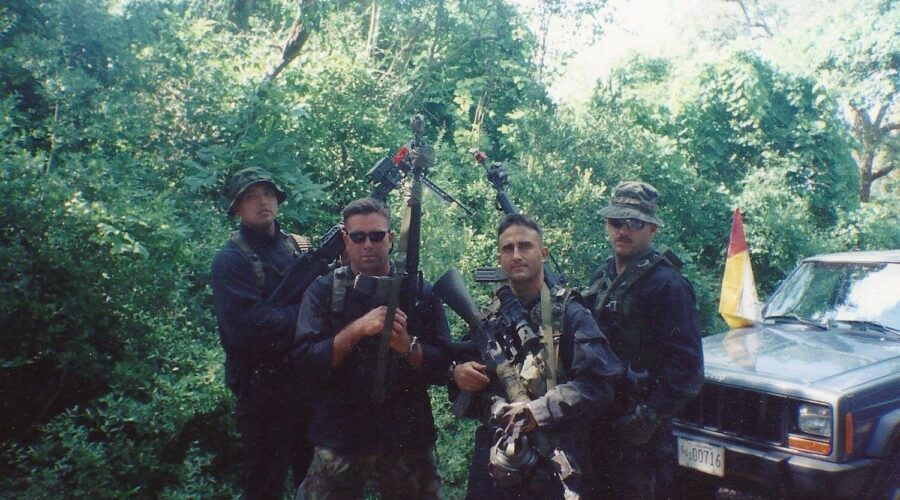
(568, 381)
(357, 439)
(648, 310)
(256, 335)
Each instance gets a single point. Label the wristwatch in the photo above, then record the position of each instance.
(413, 345)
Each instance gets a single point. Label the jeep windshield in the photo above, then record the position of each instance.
(857, 295)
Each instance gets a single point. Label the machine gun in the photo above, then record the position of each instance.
(404, 289)
(385, 176)
(515, 454)
(512, 319)
(499, 179)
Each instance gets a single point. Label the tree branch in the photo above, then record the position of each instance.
(884, 171)
(748, 19)
(890, 127)
(292, 46)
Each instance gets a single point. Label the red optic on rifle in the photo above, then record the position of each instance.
(480, 157)
(401, 155)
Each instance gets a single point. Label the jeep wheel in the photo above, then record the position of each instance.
(887, 482)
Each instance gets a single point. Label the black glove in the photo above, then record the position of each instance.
(638, 426)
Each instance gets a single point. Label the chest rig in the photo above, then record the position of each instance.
(539, 371)
(343, 281)
(295, 244)
(616, 311)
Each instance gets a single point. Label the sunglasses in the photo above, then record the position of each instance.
(360, 236)
(633, 224)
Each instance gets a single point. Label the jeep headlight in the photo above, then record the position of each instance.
(814, 419)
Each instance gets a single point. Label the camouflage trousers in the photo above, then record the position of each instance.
(409, 475)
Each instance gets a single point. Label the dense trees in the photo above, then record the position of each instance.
(120, 121)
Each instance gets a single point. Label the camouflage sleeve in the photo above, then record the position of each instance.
(591, 369)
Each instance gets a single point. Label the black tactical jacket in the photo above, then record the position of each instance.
(656, 327)
(588, 367)
(345, 418)
(256, 336)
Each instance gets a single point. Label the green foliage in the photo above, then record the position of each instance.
(120, 121)
(747, 115)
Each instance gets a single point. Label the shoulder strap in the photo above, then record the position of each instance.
(670, 257)
(258, 275)
(343, 280)
(551, 341)
(598, 280)
(609, 298)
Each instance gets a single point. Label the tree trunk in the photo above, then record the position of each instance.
(872, 135)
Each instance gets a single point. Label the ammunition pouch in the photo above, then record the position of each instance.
(638, 426)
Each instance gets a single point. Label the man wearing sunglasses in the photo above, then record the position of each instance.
(648, 311)
(389, 445)
(257, 336)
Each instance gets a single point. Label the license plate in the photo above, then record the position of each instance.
(701, 456)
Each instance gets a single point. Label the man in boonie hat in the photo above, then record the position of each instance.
(631, 220)
(255, 182)
(647, 310)
(272, 416)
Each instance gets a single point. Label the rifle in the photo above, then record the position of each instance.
(405, 287)
(485, 334)
(499, 179)
(385, 176)
(514, 455)
(307, 268)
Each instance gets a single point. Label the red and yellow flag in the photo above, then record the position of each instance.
(738, 304)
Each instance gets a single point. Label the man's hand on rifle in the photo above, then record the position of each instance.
(471, 376)
(508, 413)
(372, 323)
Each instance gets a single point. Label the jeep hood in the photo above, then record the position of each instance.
(837, 358)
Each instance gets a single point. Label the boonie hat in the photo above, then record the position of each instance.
(633, 200)
(241, 181)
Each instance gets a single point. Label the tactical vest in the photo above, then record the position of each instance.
(533, 371)
(343, 281)
(295, 244)
(616, 314)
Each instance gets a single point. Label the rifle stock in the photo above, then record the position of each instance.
(452, 290)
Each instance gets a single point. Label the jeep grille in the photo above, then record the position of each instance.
(743, 413)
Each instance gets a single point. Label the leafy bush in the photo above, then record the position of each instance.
(119, 128)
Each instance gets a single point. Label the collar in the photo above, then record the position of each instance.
(390, 273)
(258, 239)
(611, 262)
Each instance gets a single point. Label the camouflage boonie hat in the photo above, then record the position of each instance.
(243, 179)
(633, 200)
